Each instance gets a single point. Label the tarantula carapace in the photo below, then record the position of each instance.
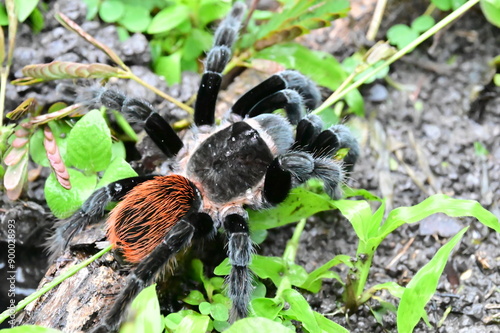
(252, 159)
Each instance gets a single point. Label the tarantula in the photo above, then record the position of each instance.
(253, 159)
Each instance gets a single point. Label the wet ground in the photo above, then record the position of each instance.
(418, 139)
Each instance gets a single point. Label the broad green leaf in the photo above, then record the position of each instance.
(37, 150)
(92, 9)
(30, 329)
(395, 289)
(491, 10)
(169, 67)
(117, 169)
(422, 23)
(443, 5)
(438, 203)
(315, 278)
(195, 297)
(136, 18)
(326, 325)
(24, 8)
(118, 150)
(422, 286)
(196, 42)
(173, 320)
(401, 35)
(268, 267)
(145, 316)
(359, 214)
(193, 323)
(256, 324)
(298, 205)
(89, 143)
(4, 18)
(496, 79)
(64, 202)
(168, 18)
(219, 312)
(300, 310)
(224, 268)
(321, 67)
(111, 10)
(211, 10)
(266, 307)
(356, 103)
(205, 308)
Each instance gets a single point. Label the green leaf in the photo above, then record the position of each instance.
(37, 150)
(168, 18)
(321, 67)
(356, 103)
(496, 78)
(117, 169)
(315, 278)
(195, 297)
(224, 268)
(205, 308)
(64, 202)
(257, 324)
(173, 320)
(36, 21)
(4, 18)
(145, 316)
(423, 285)
(196, 42)
(438, 203)
(111, 10)
(89, 143)
(268, 267)
(266, 307)
(443, 5)
(219, 312)
(300, 310)
(299, 204)
(401, 35)
(30, 329)
(326, 325)
(92, 9)
(491, 10)
(169, 67)
(24, 8)
(136, 18)
(211, 10)
(422, 23)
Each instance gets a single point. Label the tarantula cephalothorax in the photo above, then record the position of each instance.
(251, 160)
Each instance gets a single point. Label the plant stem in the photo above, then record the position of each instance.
(22, 304)
(160, 93)
(289, 256)
(440, 25)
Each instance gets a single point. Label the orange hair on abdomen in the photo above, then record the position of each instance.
(139, 223)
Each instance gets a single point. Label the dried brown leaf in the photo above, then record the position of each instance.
(23, 108)
(72, 26)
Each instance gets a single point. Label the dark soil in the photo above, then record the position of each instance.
(418, 139)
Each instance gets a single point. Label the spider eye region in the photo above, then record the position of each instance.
(230, 162)
(139, 223)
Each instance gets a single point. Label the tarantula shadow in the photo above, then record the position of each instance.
(252, 159)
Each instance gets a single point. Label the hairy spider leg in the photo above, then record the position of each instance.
(91, 212)
(138, 111)
(239, 250)
(217, 59)
(288, 90)
(153, 222)
(191, 226)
